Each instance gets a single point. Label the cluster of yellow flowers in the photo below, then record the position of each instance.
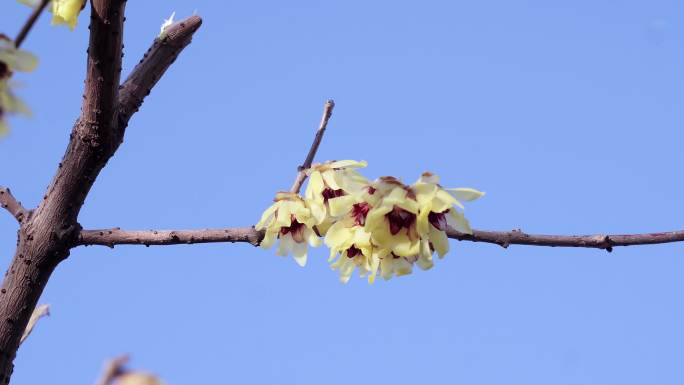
(381, 226)
(12, 59)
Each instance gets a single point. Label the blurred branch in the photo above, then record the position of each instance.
(26, 28)
(39, 312)
(301, 174)
(250, 235)
(11, 204)
(112, 369)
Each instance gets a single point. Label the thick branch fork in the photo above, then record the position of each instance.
(51, 230)
(112, 237)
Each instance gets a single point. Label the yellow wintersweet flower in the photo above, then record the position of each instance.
(66, 12)
(290, 220)
(437, 212)
(12, 59)
(353, 246)
(331, 180)
(392, 218)
(348, 238)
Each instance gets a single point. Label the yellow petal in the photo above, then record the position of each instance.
(395, 196)
(286, 245)
(329, 178)
(402, 267)
(439, 241)
(376, 217)
(387, 268)
(338, 236)
(299, 253)
(361, 238)
(315, 187)
(424, 192)
(341, 205)
(422, 220)
(404, 246)
(66, 12)
(284, 214)
(428, 177)
(456, 220)
(269, 239)
(266, 217)
(375, 263)
(311, 238)
(317, 211)
(348, 163)
(17, 59)
(465, 194)
(346, 269)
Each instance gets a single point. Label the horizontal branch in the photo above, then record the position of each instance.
(112, 237)
(250, 235)
(595, 241)
(11, 204)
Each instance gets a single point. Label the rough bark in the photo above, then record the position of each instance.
(46, 236)
(116, 236)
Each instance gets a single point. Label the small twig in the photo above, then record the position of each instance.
(26, 28)
(112, 369)
(39, 312)
(250, 235)
(11, 204)
(301, 174)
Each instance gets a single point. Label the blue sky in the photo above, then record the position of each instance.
(568, 114)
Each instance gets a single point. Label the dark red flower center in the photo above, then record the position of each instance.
(399, 218)
(4, 70)
(329, 193)
(353, 252)
(296, 229)
(438, 220)
(359, 212)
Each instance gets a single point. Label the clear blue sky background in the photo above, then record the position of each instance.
(567, 113)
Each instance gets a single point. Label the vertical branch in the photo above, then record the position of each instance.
(47, 236)
(301, 175)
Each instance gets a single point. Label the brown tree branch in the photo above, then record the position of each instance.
(155, 62)
(11, 204)
(26, 28)
(301, 174)
(117, 236)
(47, 236)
